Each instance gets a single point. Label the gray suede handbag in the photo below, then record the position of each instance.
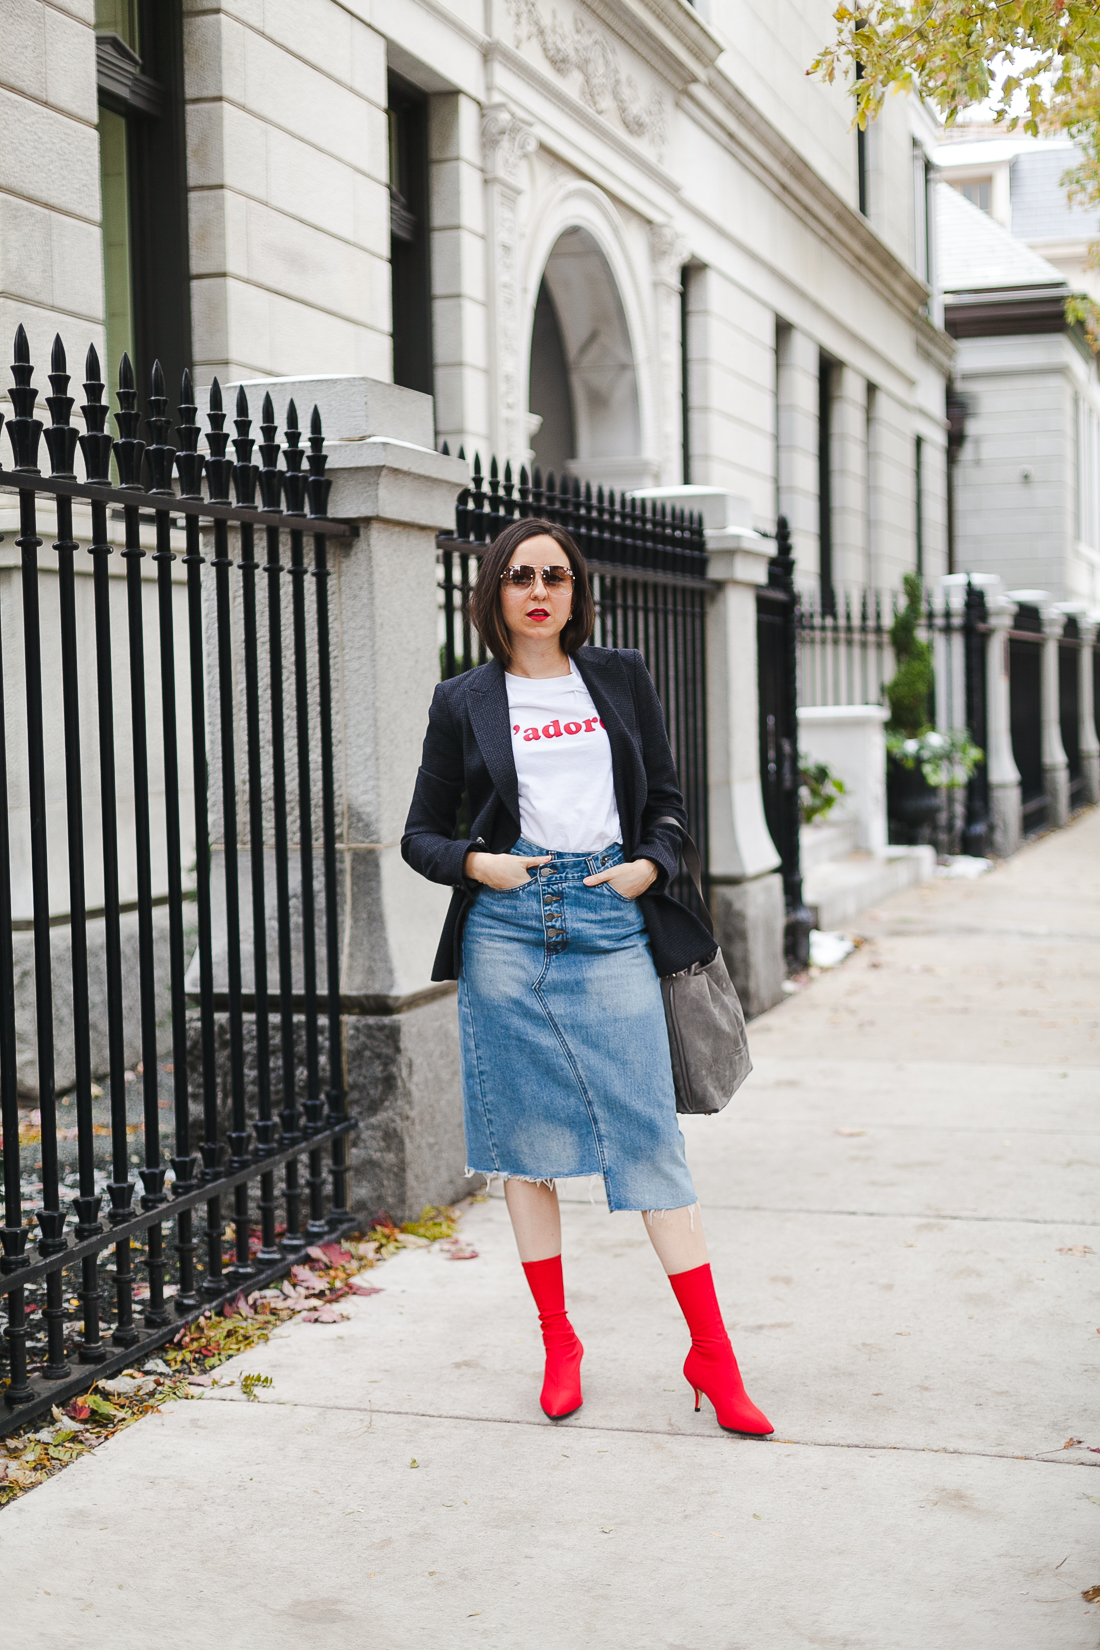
(706, 1024)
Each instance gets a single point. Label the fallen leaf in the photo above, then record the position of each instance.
(324, 1314)
(101, 1406)
(414, 1462)
(463, 1254)
(78, 1410)
(851, 1131)
(1095, 1498)
(1069, 1443)
(364, 1288)
(200, 1380)
(1091, 1595)
(1077, 1249)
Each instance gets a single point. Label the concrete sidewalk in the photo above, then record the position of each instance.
(889, 1201)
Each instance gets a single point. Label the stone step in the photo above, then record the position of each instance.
(840, 889)
(818, 844)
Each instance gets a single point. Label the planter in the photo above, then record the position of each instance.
(912, 804)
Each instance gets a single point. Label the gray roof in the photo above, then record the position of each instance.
(1040, 209)
(975, 254)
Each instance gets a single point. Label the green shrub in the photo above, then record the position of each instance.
(909, 694)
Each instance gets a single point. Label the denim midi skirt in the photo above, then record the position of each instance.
(566, 1068)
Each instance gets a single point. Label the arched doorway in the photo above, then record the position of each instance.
(583, 382)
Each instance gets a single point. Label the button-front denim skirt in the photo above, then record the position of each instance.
(565, 1061)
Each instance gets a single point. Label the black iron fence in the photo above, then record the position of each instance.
(649, 573)
(276, 1113)
(1025, 690)
(777, 695)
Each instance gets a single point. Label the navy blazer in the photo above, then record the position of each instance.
(468, 748)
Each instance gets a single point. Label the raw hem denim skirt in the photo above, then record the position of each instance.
(565, 1061)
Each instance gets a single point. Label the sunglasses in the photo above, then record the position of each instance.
(521, 578)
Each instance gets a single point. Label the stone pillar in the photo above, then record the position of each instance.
(459, 266)
(949, 656)
(1005, 805)
(949, 659)
(507, 141)
(402, 1036)
(796, 417)
(1055, 763)
(848, 461)
(1089, 744)
(670, 251)
(400, 1028)
(746, 886)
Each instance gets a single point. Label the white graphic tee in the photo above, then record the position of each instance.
(563, 763)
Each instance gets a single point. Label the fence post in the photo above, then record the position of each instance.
(1055, 763)
(400, 1029)
(1087, 626)
(746, 888)
(1005, 809)
(746, 883)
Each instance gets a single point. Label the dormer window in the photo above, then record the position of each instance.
(978, 191)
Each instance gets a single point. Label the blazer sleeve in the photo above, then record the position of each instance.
(660, 843)
(429, 844)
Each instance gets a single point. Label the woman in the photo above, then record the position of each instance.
(558, 929)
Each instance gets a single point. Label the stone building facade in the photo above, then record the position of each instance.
(630, 239)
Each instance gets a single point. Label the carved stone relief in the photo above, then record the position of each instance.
(507, 141)
(669, 251)
(587, 52)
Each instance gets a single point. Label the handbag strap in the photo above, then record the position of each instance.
(692, 862)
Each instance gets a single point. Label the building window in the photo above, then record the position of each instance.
(143, 182)
(825, 482)
(685, 373)
(410, 263)
(923, 261)
(918, 485)
(978, 191)
(861, 168)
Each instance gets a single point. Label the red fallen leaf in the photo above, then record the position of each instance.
(303, 1274)
(336, 1254)
(200, 1380)
(78, 1410)
(318, 1254)
(238, 1307)
(364, 1288)
(463, 1254)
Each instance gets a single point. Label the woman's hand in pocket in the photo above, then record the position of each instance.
(501, 870)
(629, 879)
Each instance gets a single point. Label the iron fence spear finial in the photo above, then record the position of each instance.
(159, 454)
(24, 430)
(320, 485)
(61, 437)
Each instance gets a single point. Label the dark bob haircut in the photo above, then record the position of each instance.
(485, 604)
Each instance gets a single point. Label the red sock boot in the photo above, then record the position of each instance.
(710, 1366)
(561, 1389)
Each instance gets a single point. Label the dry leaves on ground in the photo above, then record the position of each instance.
(327, 1274)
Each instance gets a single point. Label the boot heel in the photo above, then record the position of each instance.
(698, 1397)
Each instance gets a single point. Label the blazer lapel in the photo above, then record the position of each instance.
(606, 682)
(487, 702)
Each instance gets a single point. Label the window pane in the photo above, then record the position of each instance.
(119, 17)
(114, 184)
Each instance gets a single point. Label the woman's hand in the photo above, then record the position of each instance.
(503, 870)
(629, 879)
